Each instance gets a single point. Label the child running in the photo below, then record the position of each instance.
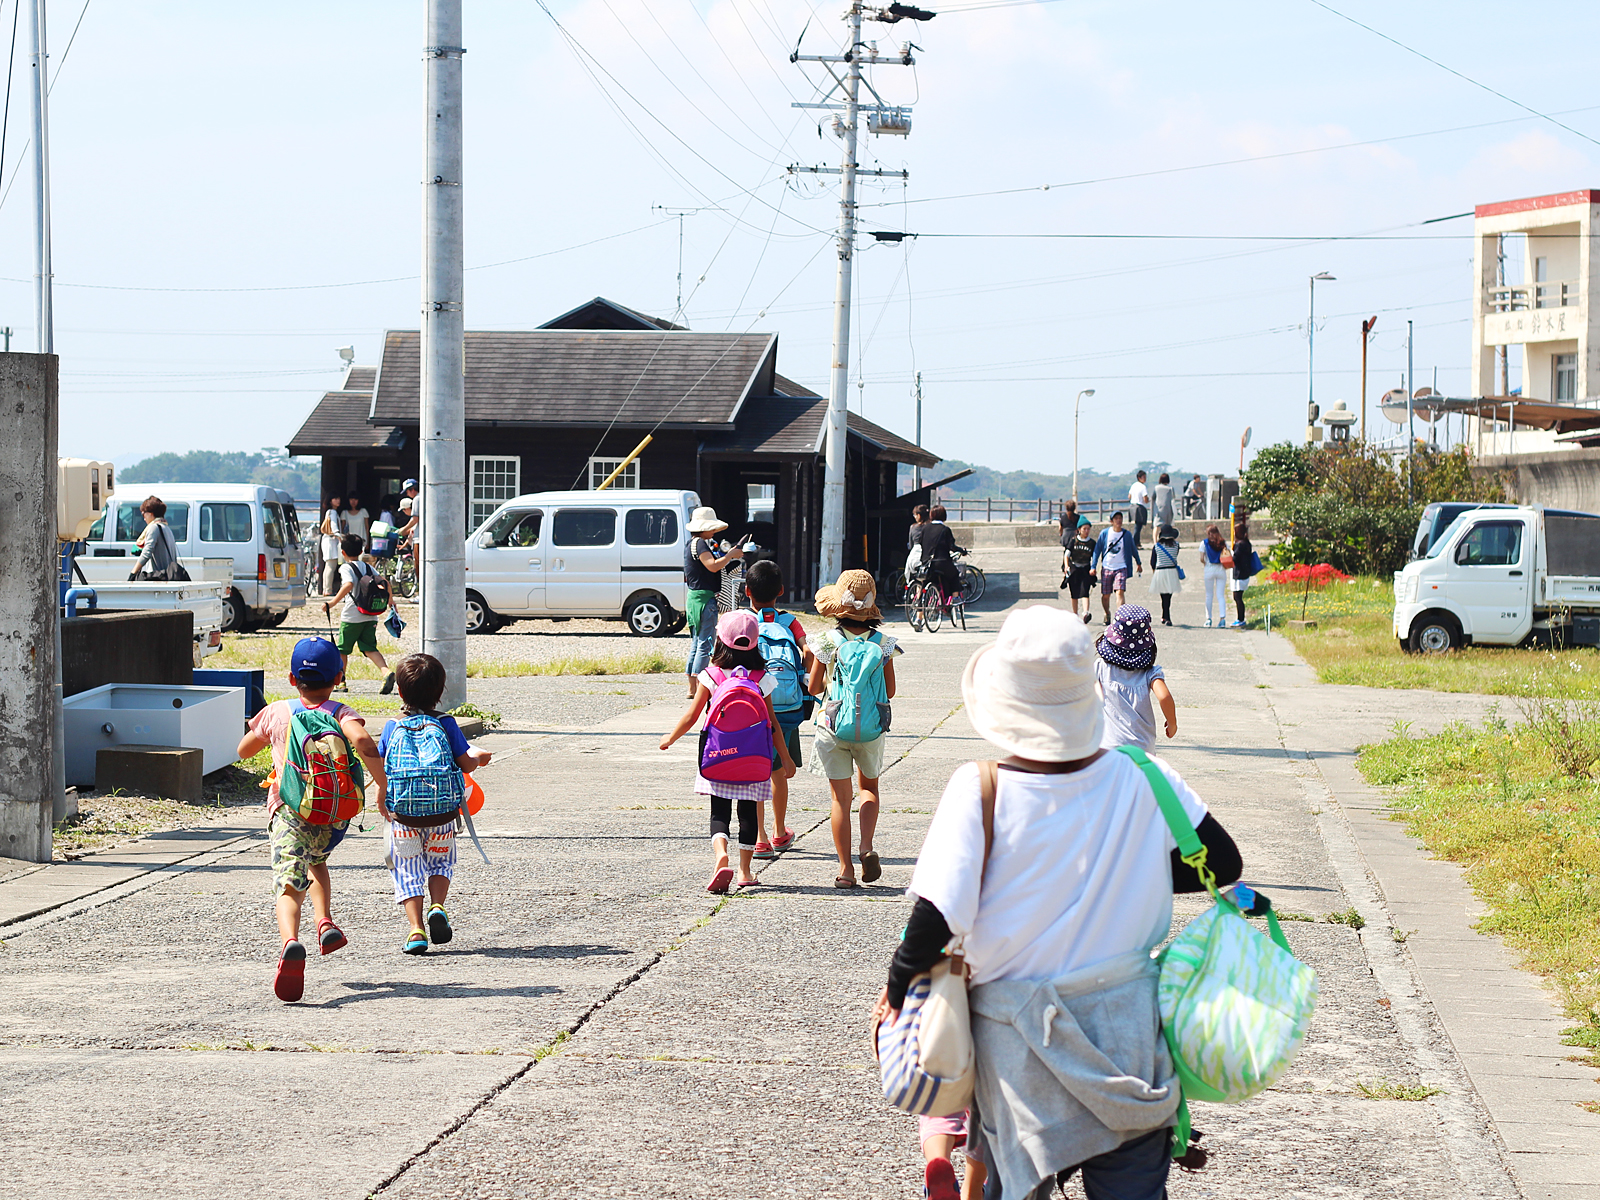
(743, 758)
(1079, 551)
(1129, 677)
(1166, 577)
(788, 660)
(426, 757)
(854, 671)
(325, 785)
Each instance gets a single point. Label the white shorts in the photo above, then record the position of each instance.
(1239, 585)
(417, 855)
(833, 758)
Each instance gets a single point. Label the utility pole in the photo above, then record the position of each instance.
(7, 332)
(1311, 348)
(1411, 419)
(916, 471)
(1500, 278)
(44, 314)
(883, 119)
(1367, 327)
(443, 417)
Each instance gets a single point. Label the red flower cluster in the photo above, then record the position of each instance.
(1320, 575)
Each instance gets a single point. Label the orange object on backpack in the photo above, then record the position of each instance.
(474, 796)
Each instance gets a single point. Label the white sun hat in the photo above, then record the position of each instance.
(1033, 691)
(704, 520)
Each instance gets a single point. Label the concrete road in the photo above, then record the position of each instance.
(602, 1027)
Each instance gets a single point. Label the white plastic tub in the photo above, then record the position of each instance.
(210, 719)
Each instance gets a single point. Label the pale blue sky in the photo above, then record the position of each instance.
(207, 146)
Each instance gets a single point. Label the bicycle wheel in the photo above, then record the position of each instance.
(913, 603)
(972, 583)
(405, 578)
(958, 613)
(932, 607)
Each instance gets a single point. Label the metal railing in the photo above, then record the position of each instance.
(1562, 293)
(991, 508)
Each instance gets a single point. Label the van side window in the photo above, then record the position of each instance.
(1491, 544)
(272, 529)
(651, 527)
(584, 527)
(517, 529)
(130, 523)
(225, 523)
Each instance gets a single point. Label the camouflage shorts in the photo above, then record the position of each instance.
(297, 847)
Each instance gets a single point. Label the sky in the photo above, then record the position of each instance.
(236, 193)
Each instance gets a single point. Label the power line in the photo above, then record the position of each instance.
(1216, 237)
(11, 63)
(1451, 70)
(56, 78)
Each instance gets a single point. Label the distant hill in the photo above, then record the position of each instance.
(300, 477)
(1034, 485)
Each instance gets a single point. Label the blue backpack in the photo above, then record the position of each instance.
(781, 652)
(424, 780)
(857, 707)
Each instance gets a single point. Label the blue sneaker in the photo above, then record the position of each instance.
(417, 943)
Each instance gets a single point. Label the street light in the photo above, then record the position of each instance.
(1311, 345)
(1075, 406)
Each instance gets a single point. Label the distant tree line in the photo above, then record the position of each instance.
(1035, 485)
(300, 477)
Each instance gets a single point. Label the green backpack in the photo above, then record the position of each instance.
(1235, 1006)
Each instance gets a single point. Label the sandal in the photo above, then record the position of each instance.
(720, 881)
(417, 943)
(439, 925)
(781, 842)
(745, 883)
(844, 881)
(330, 937)
(289, 980)
(871, 868)
(764, 850)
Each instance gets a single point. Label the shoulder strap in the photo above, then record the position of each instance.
(1190, 848)
(989, 789)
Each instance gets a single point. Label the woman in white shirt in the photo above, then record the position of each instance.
(332, 529)
(1057, 921)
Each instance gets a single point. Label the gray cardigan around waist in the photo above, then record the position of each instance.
(1069, 1068)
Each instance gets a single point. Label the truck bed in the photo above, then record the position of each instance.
(202, 597)
(1579, 591)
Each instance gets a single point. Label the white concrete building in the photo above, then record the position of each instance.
(1550, 312)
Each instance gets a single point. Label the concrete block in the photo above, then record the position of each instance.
(171, 772)
(1302, 624)
(141, 646)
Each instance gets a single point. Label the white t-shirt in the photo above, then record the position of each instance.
(1080, 871)
(349, 614)
(826, 645)
(1130, 717)
(330, 541)
(355, 522)
(766, 682)
(1138, 494)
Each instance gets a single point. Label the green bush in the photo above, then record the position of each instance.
(1358, 539)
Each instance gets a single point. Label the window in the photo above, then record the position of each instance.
(599, 468)
(494, 481)
(272, 528)
(1541, 269)
(1491, 544)
(130, 524)
(761, 501)
(585, 527)
(651, 527)
(517, 529)
(1565, 370)
(225, 523)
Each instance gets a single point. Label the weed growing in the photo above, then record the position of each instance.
(1387, 1089)
(1348, 916)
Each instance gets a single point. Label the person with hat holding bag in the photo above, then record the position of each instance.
(1050, 872)
(702, 562)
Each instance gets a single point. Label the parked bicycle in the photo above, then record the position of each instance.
(400, 569)
(927, 604)
(972, 580)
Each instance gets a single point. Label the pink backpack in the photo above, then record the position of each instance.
(736, 744)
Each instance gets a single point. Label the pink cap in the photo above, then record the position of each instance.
(737, 629)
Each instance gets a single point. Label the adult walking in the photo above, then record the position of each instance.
(1165, 503)
(1139, 505)
(936, 546)
(701, 566)
(1215, 562)
(1245, 566)
(332, 529)
(1062, 985)
(158, 549)
(1116, 556)
(356, 520)
(411, 531)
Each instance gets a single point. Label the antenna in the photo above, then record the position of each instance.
(680, 213)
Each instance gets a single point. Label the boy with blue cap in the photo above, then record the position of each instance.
(300, 849)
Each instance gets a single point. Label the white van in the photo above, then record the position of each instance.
(582, 554)
(255, 526)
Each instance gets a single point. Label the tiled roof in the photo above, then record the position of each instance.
(359, 379)
(794, 425)
(577, 378)
(338, 424)
(891, 445)
(601, 313)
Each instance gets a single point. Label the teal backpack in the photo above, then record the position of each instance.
(1235, 1005)
(857, 707)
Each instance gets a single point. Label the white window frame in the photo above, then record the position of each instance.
(1556, 366)
(483, 497)
(599, 468)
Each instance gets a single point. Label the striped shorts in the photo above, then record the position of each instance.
(417, 855)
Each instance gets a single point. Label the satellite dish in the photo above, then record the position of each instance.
(1245, 440)
(1393, 405)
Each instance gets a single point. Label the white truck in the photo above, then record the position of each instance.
(206, 594)
(1502, 576)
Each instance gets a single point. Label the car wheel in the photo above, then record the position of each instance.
(480, 617)
(679, 620)
(235, 617)
(1435, 633)
(648, 616)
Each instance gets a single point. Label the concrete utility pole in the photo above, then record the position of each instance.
(443, 427)
(1411, 416)
(1311, 350)
(884, 120)
(44, 314)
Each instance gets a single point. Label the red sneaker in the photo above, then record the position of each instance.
(289, 981)
(939, 1181)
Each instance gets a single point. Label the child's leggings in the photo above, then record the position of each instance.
(1238, 604)
(722, 812)
(1166, 606)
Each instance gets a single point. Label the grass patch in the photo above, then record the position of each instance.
(1348, 916)
(652, 662)
(1354, 643)
(472, 711)
(1495, 800)
(1387, 1089)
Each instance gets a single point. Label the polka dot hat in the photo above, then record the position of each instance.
(1128, 641)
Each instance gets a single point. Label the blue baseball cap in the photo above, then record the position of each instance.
(408, 485)
(315, 662)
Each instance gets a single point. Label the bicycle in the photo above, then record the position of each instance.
(972, 580)
(401, 572)
(927, 604)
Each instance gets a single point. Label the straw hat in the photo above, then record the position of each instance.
(1033, 692)
(1128, 641)
(704, 520)
(854, 597)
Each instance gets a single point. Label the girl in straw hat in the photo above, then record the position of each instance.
(1057, 924)
(702, 561)
(854, 666)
